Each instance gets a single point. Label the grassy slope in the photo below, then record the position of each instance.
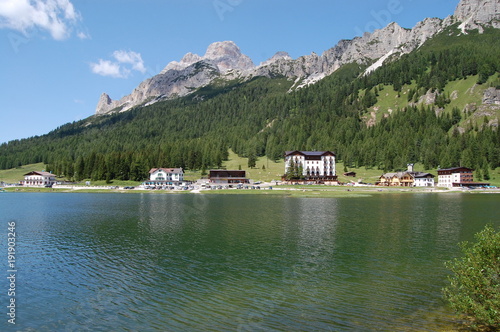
(467, 92)
(15, 175)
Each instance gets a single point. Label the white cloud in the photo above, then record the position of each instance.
(125, 62)
(132, 58)
(83, 35)
(55, 16)
(107, 68)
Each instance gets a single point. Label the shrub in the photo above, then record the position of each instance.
(474, 289)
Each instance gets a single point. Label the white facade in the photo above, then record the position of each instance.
(458, 176)
(423, 182)
(39, 179)
(313, 163)
(166, 174)
(448, 180)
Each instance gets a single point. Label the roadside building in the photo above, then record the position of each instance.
(221, 176)
(39, 179)
(424, 180)
(458, 177)
(317, 166)
(408, 178)
(165, 176)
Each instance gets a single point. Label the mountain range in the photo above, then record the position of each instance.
(224, 61)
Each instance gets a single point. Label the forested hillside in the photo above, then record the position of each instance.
(383, 120)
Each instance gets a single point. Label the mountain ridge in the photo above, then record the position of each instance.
(224, 60)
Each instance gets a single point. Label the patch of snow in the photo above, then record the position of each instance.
(378, 63)
(464, 25)
(311, 80)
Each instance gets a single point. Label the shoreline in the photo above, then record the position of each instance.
(320, 192)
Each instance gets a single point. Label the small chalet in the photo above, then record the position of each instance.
(39, 179)
(458, 177)
(165, 176)
(352, 174)
(318, 166)
(409, 178)
(221, 176)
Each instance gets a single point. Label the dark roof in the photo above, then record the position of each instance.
(421, 174)
(309, 153)
(454, 169)
(222, 173)
(39, 173)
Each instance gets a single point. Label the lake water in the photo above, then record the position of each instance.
(152, 262)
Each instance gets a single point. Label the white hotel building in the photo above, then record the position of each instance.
(39, 179)
(165, 176)
(317, 165)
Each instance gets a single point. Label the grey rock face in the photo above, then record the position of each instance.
(491, 96)
(225, 60)
(475, 12)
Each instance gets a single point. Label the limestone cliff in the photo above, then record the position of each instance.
(224, 59)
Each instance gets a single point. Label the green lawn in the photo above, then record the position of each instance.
(265, 170)
(14, 175)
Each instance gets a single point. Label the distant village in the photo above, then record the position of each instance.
(301, 167)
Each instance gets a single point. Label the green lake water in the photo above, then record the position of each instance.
(152, 262)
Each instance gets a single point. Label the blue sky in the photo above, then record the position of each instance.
(60, 55)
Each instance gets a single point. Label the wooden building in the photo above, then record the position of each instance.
(409, 178)
(221, 176)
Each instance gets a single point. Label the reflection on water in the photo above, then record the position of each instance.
(248, 263)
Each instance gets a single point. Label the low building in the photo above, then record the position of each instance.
(408, 178)
(458, 177)
(352, 174)
(317, 166)
(221, 176)
(165, 176)
(39, 179)
(423, 180)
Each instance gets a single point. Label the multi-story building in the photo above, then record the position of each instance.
(455, 177)
(313, 165)
(39, 179)
(165, 176)
(221, 176)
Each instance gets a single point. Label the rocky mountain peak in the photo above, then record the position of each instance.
(225, 60)
(473, 13)
(105, 104)
(222, 49)
(278, 56)
(227, 55)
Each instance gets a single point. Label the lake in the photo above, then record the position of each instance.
(194, 262)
